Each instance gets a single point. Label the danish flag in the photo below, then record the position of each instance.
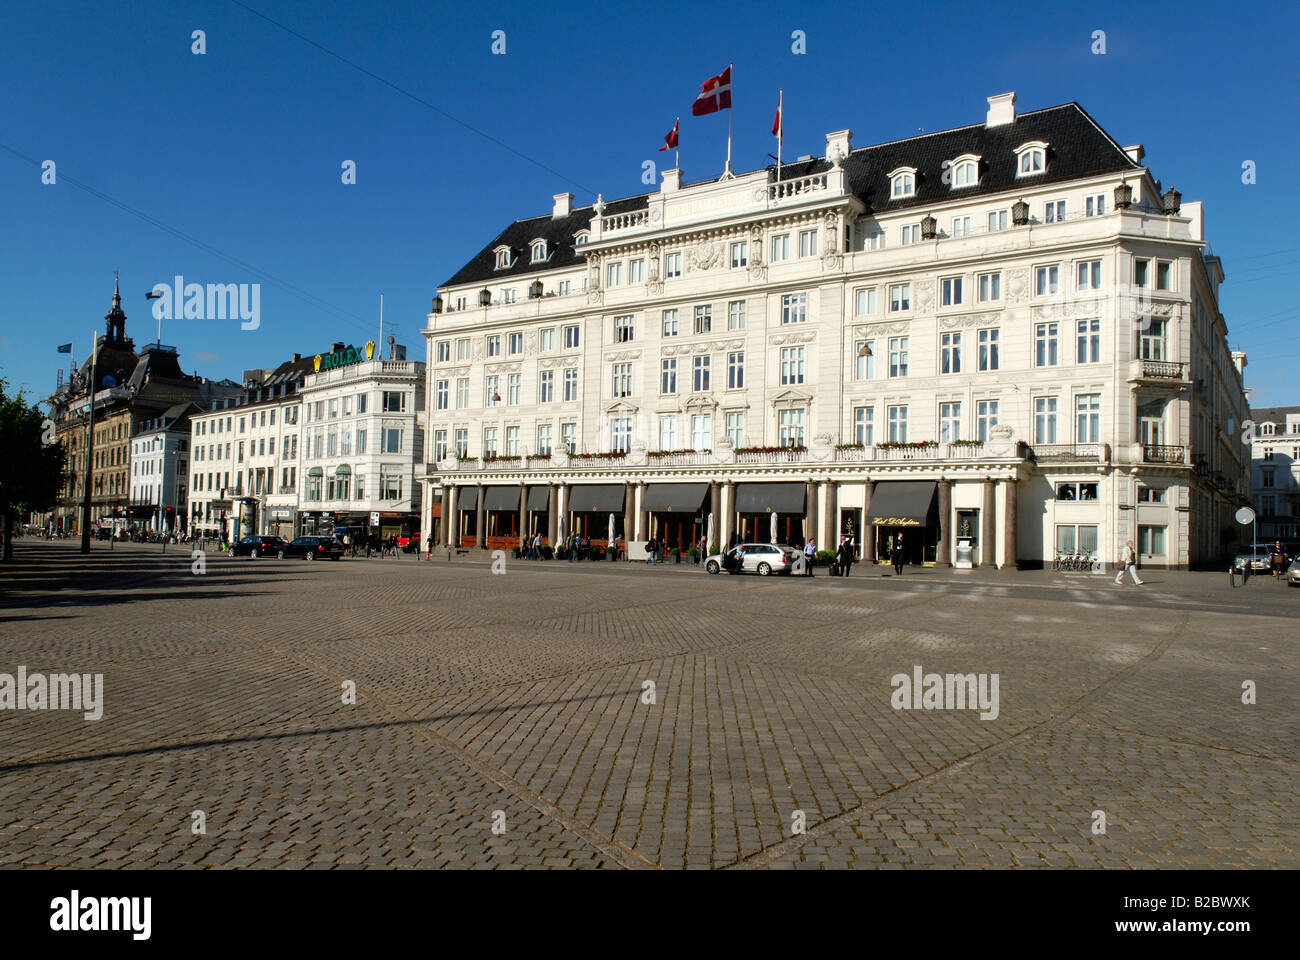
(670, 140)
(715, 95)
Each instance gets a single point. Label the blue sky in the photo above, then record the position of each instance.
(240, 149)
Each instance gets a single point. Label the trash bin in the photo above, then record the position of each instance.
(965, 554)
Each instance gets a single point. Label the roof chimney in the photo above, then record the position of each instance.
(838, 143)
(563, 205)
(1002, 109)
(1239, 361)
(1135, 152)
(672, 181)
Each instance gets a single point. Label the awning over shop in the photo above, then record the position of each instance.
(770, 497)
(343, 471)
(501, 498)
(315, 472)
(466, 498)
(597, 498)
(674, 497)
(901, 503)
(539, 498)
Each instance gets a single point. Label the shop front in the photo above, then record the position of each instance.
(772, 513)
(904, 511)
(539, 505)
(280, 522)
(501, 516)
(592, 509)
(677, 514)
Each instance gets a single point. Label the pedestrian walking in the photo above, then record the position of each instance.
(1128, 562)
(896, 555)
(810, 554)
(1278, 559)
(846, 557)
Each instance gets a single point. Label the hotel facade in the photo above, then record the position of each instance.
(993, 344)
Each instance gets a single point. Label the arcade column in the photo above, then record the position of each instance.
(944, 558)
(1010, 544)
(988, 520)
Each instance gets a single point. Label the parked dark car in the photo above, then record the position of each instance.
(312, 548)
(257, 546)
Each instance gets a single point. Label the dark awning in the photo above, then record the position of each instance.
(539, 498)
(501, 498)
(901, 503)
(343, 471)
(597, 498)
(677, 497)
(466, 498)
(770, 497)
(315, 472)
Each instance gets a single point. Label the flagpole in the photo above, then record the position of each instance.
(731, 69)
(780, 129)
(677, 153)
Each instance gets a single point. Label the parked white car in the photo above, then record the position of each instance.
(760, 558)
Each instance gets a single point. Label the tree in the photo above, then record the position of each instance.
(33, 468)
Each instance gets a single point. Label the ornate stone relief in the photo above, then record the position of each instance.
(1017, 284)
(624, 355)
(977, 320)
(704, 255)
(880, 327)
(782, 339)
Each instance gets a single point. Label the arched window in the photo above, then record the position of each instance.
(902, 183)
(965, 171)
(1031, 158)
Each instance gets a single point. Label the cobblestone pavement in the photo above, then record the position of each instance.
(517, 700)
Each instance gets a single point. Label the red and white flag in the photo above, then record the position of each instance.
(670, 141)
(715, 95)
(776, 122)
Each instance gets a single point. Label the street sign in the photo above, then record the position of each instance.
(1245, 515)
(374, 518)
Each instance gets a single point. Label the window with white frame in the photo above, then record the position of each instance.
(794, 308)
(807, 243)
(1087, 418)
(512, 441)
(508, 294)
(439, 446)
(570, 384)
(502, 258)
(990, 287)
(965, 172)
(1031, 159)
(636, 271)
(1151, 339)
(1047, 344)
(492, 391)
(462, 443)
(440, 393)
(900, 297)
(950, 352)
(670, 323)
(494, 346)
(672, 264)
(1088, 275)
(874, 239)
(1095, 205)
(569, 436)
(736, 429)
(961, 227)
(462, 349)
(444, 351)
(615, 274)
(898, 356)
(898, 423)
(902, 183)
(781, 248)
(949, 422)
(668, 375)
(736, 370)
(950, 292)
(736, 315)
(790, 427)
(621, 434)
(622, 379)
(1045, 419)
(997, 220)
(668, 433)
(546, 386)
(544, 439)
(792, 370)
(539, 251)
(565, 287)
(1047, 280)
(864, 426)
(701, 431)
(1164, 275)
(986, 418)
(571, 337)
(1088, 340)
(546, 339)
(462, 393)
(864, 360)
(740, 253)
(1157, 495)
(911, 233)
(1141, 273)
(864, 301)
(489, 441)
(514, 386)
(1151, 541)
(1054, 211)
(514, 344)
(700, 373)
(623, 331)
(703, 318)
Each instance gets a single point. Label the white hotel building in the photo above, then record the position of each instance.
(1002, 333)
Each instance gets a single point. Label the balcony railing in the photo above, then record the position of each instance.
(624, 221)
(1067, 452)
(1162, 369)
(793, 188)
(695, 458)
(1159, 453)
(772, 456)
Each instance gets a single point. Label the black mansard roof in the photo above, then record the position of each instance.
(1077, 149)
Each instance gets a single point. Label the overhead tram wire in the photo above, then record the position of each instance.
(412, 96)
(339, 313)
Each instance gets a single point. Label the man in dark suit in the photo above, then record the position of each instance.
(896, 555)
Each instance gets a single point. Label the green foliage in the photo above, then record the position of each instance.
(33, 468)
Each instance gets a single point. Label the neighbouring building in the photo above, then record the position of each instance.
(132, 389)
(1275, 473)
(361, 439)
(160, 470)
(1004, 336)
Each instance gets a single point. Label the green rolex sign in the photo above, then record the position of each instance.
(343, 357)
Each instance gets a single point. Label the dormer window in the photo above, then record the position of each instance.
(503, 258)
(902, 183)
(965, 171)
(1031, 158)
(539, 251)
(580, 238)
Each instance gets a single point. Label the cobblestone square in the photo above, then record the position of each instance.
(500, 720)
